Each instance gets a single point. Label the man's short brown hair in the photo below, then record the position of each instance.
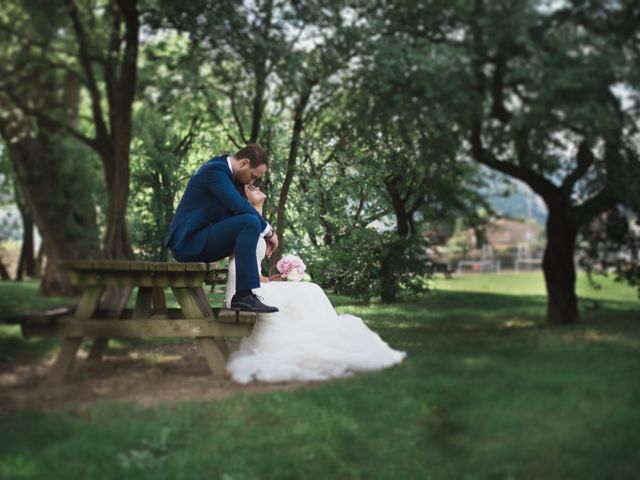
(254, 153)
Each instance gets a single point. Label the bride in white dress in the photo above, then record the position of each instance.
(306, 340)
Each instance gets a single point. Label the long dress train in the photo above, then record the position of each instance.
(306, 340)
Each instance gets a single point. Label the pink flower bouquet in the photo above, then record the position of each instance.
(291, 267)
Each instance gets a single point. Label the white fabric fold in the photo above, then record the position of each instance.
(306, 340)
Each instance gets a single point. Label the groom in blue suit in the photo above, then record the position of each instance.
(214, 220)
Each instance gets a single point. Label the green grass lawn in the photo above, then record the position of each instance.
(488, 390)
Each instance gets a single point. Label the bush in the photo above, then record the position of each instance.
(353, 265)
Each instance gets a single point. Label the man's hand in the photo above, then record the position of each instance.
(272, 244)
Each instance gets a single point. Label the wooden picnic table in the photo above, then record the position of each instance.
(149, 318)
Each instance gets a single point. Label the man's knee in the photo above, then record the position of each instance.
(251, 221)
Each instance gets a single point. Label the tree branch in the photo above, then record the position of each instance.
(498, 110)
(584, 160)
(52, 122)
(360, 204)
(126, 87)
(213, 109)
(23, 37)
(599, 203)
(183, 146)
(416, 205)
(64, 67)
(538, 183)
(236, 116)
(111, 60)
(412, 183)
(96, 108)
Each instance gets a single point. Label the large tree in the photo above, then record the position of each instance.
(54, 178)
(95, 44)
(544, 93)
(547, 88)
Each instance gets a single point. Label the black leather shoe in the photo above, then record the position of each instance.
(251, 303)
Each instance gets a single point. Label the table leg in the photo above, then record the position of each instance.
(203, 304)
(114, 310)
(189, 301)
(87, 306)
(143, 303)
(159, 301)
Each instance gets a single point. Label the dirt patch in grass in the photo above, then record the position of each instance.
(146, 375)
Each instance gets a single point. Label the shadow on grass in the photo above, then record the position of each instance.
(19, 297)
(475, 309)
(15, 348)
(439, 311)
(445, 324)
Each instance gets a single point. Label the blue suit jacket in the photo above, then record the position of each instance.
(210, 196)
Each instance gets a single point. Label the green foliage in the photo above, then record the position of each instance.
(353, 265)
(173, 135)
(158, 172)
(82, 190)
(611, 245)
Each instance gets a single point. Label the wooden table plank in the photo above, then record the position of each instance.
(127, 265)
(116, 327)
(133, 278)
(139, 266)
(231, 316)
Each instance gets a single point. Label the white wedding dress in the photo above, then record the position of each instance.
(306, 340)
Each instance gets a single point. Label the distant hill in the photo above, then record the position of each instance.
(520, 204)
(516, 206)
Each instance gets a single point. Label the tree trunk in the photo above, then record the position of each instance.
(26, 264)
(113, 131)
(39, 260)
(404, 223)
(116, 240)
(388, 290)
(67, 226)
(559, 268)
(116, 156)
(4, 274)
(288, 179)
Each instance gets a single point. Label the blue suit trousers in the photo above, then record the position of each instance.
(238, 234)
